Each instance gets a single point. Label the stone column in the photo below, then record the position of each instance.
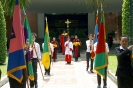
(91, 23)
(40, 24)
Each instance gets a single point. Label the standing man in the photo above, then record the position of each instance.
(89, 44)
(36, 55)
(76, 47)
(63, 39)
(68, 51)
(55, 45)
(51, 50)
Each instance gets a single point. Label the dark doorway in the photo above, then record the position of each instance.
(78, 25)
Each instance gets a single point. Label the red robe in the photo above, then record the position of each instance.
(55, 45)
(63, 39)
(76, 46)
(68, 58)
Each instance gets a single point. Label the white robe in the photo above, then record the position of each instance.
(67, 48)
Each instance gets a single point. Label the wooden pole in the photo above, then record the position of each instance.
(27, 78)
(26, 71)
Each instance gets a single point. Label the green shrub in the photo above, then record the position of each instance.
(2, 35)
(125, 17)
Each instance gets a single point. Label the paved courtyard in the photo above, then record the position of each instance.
(68, 76)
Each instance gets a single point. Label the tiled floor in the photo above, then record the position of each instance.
(68, 76)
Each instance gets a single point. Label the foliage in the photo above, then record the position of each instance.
(95, 4)
(2, 35)
(126, 17)
(8, 5)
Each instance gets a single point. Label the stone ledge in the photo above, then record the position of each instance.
(112, 76)
(3, 81)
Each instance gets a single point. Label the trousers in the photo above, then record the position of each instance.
(104, 80)
(88, 56)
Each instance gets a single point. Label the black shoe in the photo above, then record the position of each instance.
(36, 86)
(98, 86)
(31, 87)
(45, 73)
(86, 69)
(49, 74)
(91, 71)
(54, 60)
(75, 60)
(69, 63)
(104, 86)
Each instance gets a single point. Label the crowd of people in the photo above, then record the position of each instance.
(71, 48)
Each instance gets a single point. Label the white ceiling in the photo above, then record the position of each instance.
(70, 6)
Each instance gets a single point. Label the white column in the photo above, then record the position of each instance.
(40, 24)
(91, 23)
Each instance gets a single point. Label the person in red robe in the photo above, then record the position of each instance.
(68, 51)
(63, 39)
(55, 45)
(76, 47)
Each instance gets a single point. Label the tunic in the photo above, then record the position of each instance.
(68, 51)
(76, 47)
(55, 45)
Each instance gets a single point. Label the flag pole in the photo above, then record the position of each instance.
(105, 37)
(97, 12)
(95, 24)
(24, 11)
(49, 46)
(25, 57)
(27, 78)
(38, 60)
